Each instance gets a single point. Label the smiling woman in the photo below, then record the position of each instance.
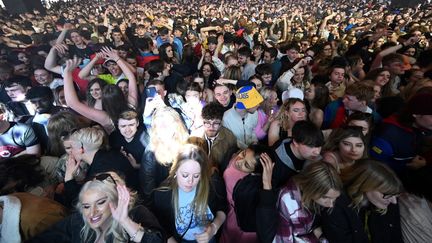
(106, 213)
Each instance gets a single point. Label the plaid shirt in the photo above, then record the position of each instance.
(295, 221)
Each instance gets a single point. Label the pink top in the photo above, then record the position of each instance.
(231, 232)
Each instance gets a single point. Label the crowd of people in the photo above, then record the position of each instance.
(213, 121)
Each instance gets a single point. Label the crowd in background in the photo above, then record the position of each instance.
(213, 121)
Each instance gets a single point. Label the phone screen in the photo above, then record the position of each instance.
(150, 92)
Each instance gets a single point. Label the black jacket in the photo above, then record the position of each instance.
(69, 229)
(164, 210)
(343, 224)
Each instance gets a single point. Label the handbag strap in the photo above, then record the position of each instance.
(190, 223)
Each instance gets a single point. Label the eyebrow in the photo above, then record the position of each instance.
(100, 199)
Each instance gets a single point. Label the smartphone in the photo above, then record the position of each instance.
(150, 92)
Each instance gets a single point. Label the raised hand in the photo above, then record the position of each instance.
(71, 167)
(72, 64)
(130, 157)
(120, 212)
(61, 48)
(110, 53)
(268, 166)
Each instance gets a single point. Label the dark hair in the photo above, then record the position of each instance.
(258, 150)
(40, 92)
(263, 69)
(18, 80)
(305, 132)
(322, 98)
(273, 51)
(155, 67)
(162, 52)
(244, 51)
(21, 172)
(212, 110)
(163, 31)
(90, 100)
(113, 101)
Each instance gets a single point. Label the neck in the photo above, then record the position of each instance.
(295, 152)
(242, 112)
(89, 156)
(4, 125)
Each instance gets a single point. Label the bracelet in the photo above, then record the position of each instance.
(140, 228)
(216, 228)
(117, 60)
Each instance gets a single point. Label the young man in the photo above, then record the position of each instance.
(292, 153)
(16, 138)
(336, 83)
(16, 88)
(243, 117)
(270, 57)
(395, 64)
(221, 142)
(130, 138)
(224, 96)
(244, 59)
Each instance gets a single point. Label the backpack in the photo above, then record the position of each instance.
(246, 197)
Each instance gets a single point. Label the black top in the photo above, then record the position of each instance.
(136, 147)
(164, 210)
(286, 163)
(104, 161)
(69, 229)
(344, 224)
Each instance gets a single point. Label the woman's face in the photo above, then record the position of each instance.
(95, 91)
(61, 98)
(200, 82)
(328, 199)
(258, 83)
(383, 78)
(169, 52)
(299, 75)
(95, 209)
(327, 50)
(351, 148)
(245, 161)
(380, 200)
(207, 57)
(257, 52)
(188, 175)
(206, 71)
(192, 96)
(297, 112)
(360, 123)
(23, 58)
(310, 93)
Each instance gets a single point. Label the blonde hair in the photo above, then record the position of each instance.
(283, 117)
(200, 202)
(369, 175)
(159, 145)
(315, 181)
(109, 188)
(91, 138)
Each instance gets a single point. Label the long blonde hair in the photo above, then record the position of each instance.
(315, 181)
(283, 117)
(200, 202)
(108, 187)
(159, 145)
(369, 175)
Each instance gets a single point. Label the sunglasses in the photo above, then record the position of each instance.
(104, 177)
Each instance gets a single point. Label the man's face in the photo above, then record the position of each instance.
(164, 37)
(267, 78)
(140, 31)
(212, 127)
(306, 152)
(292, 54)
(42, 76)
(76, 38)
(352, 103)
(396, 68)
(41, 105)
(267, 57)
(337, 76)
(116, 36)
(114, 69)
(16, 92)
(21, 69)
(242, 60)
(128, 128)
(223, 95)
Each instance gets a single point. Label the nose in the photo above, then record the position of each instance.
(316, 151)
(93, 211)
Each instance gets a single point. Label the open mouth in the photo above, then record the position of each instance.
(95, 220)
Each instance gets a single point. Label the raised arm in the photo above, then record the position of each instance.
(133, 87)
(73, 102)
(51, 60)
